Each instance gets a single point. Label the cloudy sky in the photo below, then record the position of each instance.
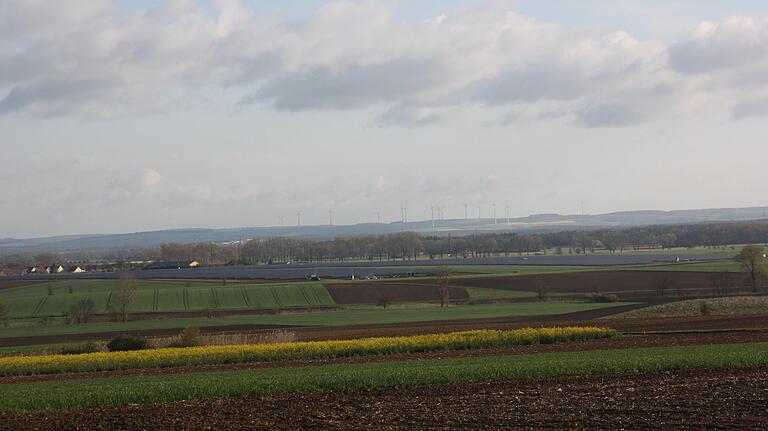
(126, 115)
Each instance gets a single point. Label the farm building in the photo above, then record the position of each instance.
(54, 269)
(75, 269)
(173, 265)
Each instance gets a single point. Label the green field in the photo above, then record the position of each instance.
(65, 394)
(330, 318)
(161, 296)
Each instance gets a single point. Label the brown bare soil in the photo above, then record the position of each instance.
(598, 281)
(692, 399)
(371, 293)
(7, 284)
(627, 342)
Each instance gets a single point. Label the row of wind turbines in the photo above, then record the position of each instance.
(437, 215)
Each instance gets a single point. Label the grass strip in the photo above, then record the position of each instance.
(208, 355)
(53, 395)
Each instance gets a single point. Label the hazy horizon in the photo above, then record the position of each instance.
(126, 116)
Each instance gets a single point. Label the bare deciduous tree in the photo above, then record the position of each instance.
(542, 291)
(124, 295)
(752, 260)
(721, 282)
(81, 311)
(443, 277)
(4, 315)
(663, 285)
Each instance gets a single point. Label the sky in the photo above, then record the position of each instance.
(132, 115)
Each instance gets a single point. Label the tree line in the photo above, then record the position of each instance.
(410, 245)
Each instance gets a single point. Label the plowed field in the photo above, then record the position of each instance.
(695, 399)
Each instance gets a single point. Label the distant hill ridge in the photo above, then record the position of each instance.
(531, 223)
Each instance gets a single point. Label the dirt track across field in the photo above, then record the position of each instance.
(693, 399)
(628, 342)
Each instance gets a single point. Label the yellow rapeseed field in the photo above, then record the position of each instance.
(173, 357)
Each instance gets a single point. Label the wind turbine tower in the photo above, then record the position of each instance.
(298, 218)
(432, 209)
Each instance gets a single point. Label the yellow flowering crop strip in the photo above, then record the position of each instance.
(175, 357)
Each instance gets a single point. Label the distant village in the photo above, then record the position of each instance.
(99, 268)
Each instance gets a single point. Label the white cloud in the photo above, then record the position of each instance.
(151, 178)
(92, 59)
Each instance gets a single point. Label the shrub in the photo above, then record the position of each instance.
(704, 308)
(602, 297)
(123, 343)
(189, 337)
(76, 349)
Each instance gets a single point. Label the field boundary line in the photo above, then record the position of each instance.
(39, 305)
(185, 298)
(245, 297)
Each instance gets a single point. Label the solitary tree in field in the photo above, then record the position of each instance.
(542, 291)
(443, 276)
(124, 295)
(752, 260)
(4, 315)
(663, 285)
(383, 302)
(721, 281)
(82, 311)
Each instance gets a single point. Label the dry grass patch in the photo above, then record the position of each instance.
(731, 306)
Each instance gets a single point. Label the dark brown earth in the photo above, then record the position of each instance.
(371, 293)
(600, 281)
(7, 284)
(626, 342)
(693, 399)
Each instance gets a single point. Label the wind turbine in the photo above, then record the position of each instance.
(298, 218)
(330, 217)
(507, 207)
(466, 212)
(493, 205)
(433, 208)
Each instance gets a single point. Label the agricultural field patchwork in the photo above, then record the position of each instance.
(352, 317)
